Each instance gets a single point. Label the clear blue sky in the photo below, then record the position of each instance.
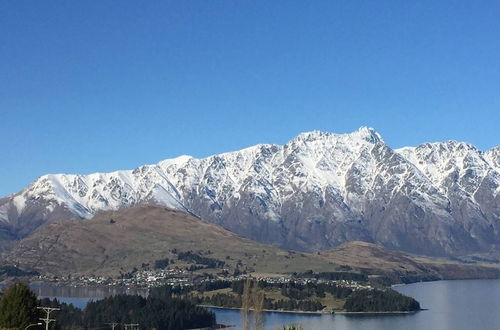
(98, 85)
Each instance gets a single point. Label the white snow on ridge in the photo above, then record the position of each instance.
(354, 165)
(19, 202)
(493, 158)
(4, 213)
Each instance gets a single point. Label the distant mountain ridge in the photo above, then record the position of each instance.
(315, 192)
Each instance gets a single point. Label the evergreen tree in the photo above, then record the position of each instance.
(386, 300)
(18, 307)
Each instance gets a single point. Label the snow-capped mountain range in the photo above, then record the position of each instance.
(315, 192)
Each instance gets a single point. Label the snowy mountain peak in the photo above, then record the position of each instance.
(493, 157)
(316, 191)
(178, 161)
(369, 134)
(312, 136)
(364, 133)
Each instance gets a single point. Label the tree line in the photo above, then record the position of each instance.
(386, 300)
(305, 297)
(193, 257)
(299, 291)
(333, 276)
(160, 310)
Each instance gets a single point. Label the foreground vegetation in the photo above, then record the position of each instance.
(160, 310)
(170, 307)
(18, 307)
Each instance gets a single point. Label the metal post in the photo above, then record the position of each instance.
(32, 325)
(113, 325)
(133, 326)
(47, 319)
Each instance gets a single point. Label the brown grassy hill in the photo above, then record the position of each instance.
(376, 259)
(118, 241)
(371, 256)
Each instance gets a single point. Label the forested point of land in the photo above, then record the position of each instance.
(380, 301)
(306, 297)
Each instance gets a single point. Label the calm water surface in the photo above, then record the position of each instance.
(80, 296)
(453, 305)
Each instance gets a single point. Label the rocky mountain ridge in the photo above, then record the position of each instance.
(315, 192)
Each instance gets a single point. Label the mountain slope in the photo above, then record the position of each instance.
(399, 267)
(116, 241)
(470, 181)
(315, 192)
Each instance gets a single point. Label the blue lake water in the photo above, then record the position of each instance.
(453, 305)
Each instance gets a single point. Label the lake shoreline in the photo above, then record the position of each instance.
(319, 312)
(269, 310)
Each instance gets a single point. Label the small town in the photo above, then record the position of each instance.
(183, 278)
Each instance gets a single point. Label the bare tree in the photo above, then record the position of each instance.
(258, 307)
(252, 299)
(246, 301)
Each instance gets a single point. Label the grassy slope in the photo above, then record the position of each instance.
(375, 259)
(331, 303)
(143, 234)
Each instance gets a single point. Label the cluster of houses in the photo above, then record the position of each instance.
(143, 278)
(182, 278)
(355, 285)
